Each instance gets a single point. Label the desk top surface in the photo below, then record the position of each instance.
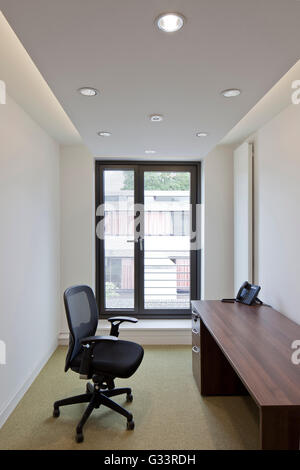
(257, 342)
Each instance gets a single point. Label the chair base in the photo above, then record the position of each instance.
(95, 396)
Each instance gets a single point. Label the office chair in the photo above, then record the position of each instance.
(100, 358)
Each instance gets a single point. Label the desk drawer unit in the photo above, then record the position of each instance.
(196, 347)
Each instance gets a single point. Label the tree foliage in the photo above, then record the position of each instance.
(161, 181)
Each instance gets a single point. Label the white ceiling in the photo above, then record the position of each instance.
(278, 98)
(26, 86)
(113, 45)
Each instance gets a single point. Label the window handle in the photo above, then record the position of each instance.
(141, 241)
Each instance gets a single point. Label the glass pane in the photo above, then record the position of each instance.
(118, 236)
(167, 240)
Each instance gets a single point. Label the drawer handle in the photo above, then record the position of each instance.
(195, 349)
(195, 332)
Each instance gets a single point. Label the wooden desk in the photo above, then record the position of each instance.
(239, 349)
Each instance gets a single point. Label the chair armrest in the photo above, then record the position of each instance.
(96, 339)
(121, 319)
(114, 330)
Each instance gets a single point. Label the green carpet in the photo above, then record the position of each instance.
(169, 412)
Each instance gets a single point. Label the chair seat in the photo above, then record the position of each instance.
(115, 358)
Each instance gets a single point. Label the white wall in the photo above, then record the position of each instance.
(29, 250)
(276, 211)
(77, 220)
(217, 198)
(243, 215)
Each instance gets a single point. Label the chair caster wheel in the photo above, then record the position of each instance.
(56, 413)
(130, 425)
(79, 437)
(129, 397)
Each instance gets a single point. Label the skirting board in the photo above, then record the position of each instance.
(8, 408)
(147, 332)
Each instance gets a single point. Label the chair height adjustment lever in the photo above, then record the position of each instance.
(85, 364)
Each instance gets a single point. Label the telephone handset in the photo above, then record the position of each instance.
(247, 294)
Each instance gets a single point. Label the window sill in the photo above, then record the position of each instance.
(147, 332)
(151, 324)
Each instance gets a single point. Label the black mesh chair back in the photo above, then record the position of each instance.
(82, 315)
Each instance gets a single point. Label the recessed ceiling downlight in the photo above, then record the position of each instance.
(88, 91)
(231, 93)
(104, 133)
(150, 152)
(156, 117)
(170, 22)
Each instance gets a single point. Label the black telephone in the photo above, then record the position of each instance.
(247, 294)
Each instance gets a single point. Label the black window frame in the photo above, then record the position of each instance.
(138, 312)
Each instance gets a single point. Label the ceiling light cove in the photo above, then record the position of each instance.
(104, 133)
(170, 22)
(88, 91)
(231, 93)
(156, 117)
